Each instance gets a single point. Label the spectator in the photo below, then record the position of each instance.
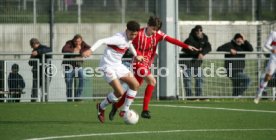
(72, 67)
(199, 40)
(16, 83)
(38, 50)
(240, 80)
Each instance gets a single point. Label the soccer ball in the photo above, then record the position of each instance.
(131, 117)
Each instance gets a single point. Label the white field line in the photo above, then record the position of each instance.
(150, 132)
(212, 108)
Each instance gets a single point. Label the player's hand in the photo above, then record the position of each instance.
(34, 53)
(139, 58)
(274, 51)
(233, 51)
(192, 48)
(86, 53)
(200, 56)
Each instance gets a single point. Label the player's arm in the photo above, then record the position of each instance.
(139, 58)
(114, 40)
(98, 44)
(179, 43)
(269, 41)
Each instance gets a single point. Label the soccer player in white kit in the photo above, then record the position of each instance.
(113, 69)
(271, 66)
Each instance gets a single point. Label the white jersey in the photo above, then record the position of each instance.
(116, 47)
(270, 44)
(271, 41)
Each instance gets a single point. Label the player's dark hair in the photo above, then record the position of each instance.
(133, 26)
(155, 21)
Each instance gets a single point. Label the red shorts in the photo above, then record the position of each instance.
(140, 71)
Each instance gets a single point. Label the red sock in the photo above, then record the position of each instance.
(147, 97)
(121, 101)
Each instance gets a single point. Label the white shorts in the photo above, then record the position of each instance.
(271, 65)
(114, 72)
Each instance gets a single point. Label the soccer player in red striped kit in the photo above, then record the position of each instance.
(145, 44)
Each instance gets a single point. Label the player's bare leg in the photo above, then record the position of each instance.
(118, 104)
(262, 87)
(111, 98)
(125, 86)
(131, 92)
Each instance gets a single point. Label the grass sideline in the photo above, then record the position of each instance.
(38, 120)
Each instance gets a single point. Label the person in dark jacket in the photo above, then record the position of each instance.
(79, 49)
(199, 40)
(36, 56)
(16, 83)
(235, 68)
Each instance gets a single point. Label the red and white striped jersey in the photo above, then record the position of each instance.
(147, 45)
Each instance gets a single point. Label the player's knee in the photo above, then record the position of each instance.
(152, 82)
(268, 77)
(119, 92)
(134, 85)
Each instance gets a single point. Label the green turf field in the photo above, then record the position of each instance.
(174, 120)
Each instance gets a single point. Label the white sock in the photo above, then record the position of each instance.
(129, 99)
(111, 98)
(261, 88)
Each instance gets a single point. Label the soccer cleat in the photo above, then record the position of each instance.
(145, 114)
(112, 112)
(256, 100)
(100, 113)
(122, 113)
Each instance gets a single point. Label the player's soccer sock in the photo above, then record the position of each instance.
(121, 101)
(262, 87)
(129, 99)
(147, 97)
(111, 98)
